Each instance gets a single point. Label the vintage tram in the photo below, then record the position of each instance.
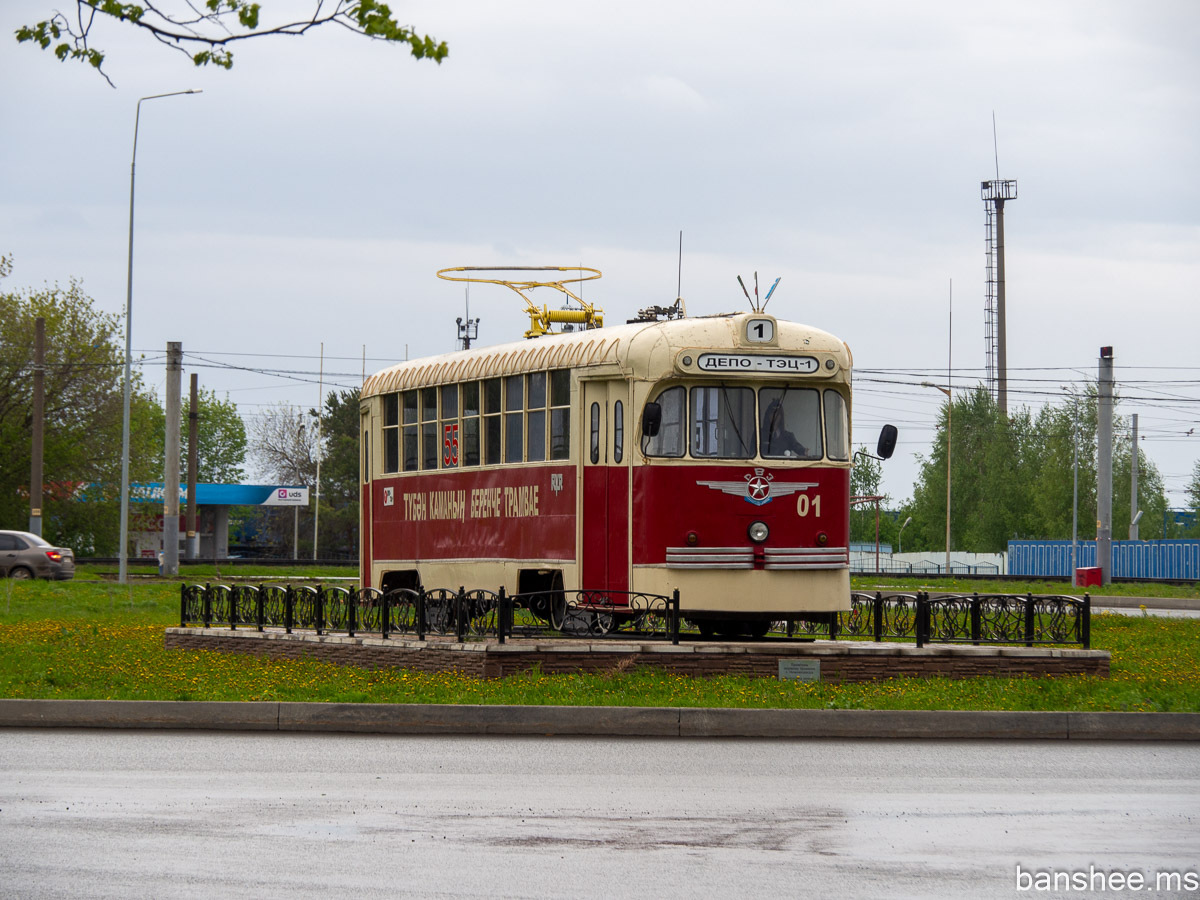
(709, 455)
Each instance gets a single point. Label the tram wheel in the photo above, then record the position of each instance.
(730, 630)
(556, 610)
(758, 630)
(707, 629)
(582, 624)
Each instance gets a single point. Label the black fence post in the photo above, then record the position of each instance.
(289, 609)
(183, 595)
(421, 624)
(207, 605)
(922, 618)
(877, 616)
(1085, 631)
(259, 607)
(460, 617)
(833, 626)
(503, 611)
(1029, 619)
(675, 616)
(385, 624)
(352, 612)
(976, 627)
(319, 611)
(233, 594)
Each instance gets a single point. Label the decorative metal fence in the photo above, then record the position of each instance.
(327, 609)
(917, 617)
(957, 619)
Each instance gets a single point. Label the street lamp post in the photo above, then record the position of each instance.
(900, 536)
(949, 412)
(123, 549)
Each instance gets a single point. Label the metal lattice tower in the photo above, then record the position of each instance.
(994, 194)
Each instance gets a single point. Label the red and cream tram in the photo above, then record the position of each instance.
(707, 454)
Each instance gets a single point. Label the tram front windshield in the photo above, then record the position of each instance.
(732, 422)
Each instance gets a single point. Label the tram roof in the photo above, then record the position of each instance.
(634, 348)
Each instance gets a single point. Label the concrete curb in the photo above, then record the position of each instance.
(611, 721)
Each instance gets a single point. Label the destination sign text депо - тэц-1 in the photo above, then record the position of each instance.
(750, 362)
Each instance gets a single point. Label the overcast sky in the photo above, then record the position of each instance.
(310, 194)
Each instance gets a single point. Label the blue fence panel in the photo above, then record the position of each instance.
(1173, 559)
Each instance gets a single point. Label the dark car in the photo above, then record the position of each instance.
(25, 555)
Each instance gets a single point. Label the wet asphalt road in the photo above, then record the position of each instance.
(177, 814)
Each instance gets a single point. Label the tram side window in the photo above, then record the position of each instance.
(391, 433)
(594, 433)
(514, 413)
(493, 447)
(723, 422)
(560, 414)
(450, 434)
(669, 440)
(535, 416)
(410, 430)
(837, 428)
(618, 431)
(790, 419)
(429, 429)
(470, 423)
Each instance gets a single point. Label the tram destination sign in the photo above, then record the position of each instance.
(757, 362)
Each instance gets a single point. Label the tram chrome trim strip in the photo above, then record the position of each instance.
(710, 558)
(806, 558)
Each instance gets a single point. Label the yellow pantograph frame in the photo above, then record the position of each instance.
(540, 319)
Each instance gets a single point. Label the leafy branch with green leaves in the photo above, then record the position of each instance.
(204, 32)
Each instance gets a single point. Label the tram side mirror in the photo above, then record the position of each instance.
(651, 419)
(887, 442)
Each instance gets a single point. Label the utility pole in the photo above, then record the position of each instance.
(39, 420)
(171, 474)
(1104, 467)
(192, 548)
(1074, 484)
(320, 401)
(1133, 484)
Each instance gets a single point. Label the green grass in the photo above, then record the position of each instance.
(105, 641)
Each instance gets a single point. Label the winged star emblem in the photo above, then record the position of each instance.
(759, 487)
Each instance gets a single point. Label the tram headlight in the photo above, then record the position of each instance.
(758, 532)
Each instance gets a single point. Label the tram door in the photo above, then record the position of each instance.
(605, 504)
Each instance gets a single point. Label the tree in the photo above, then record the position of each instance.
(285, 451)
(990, 477)
(1152, 497)
(340, 474)
(284, 448)
(1193, 493)
(204, 30)
(220, 439)
(1013, 477)
(1064, 440)
(83, 416)
(865, 481)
